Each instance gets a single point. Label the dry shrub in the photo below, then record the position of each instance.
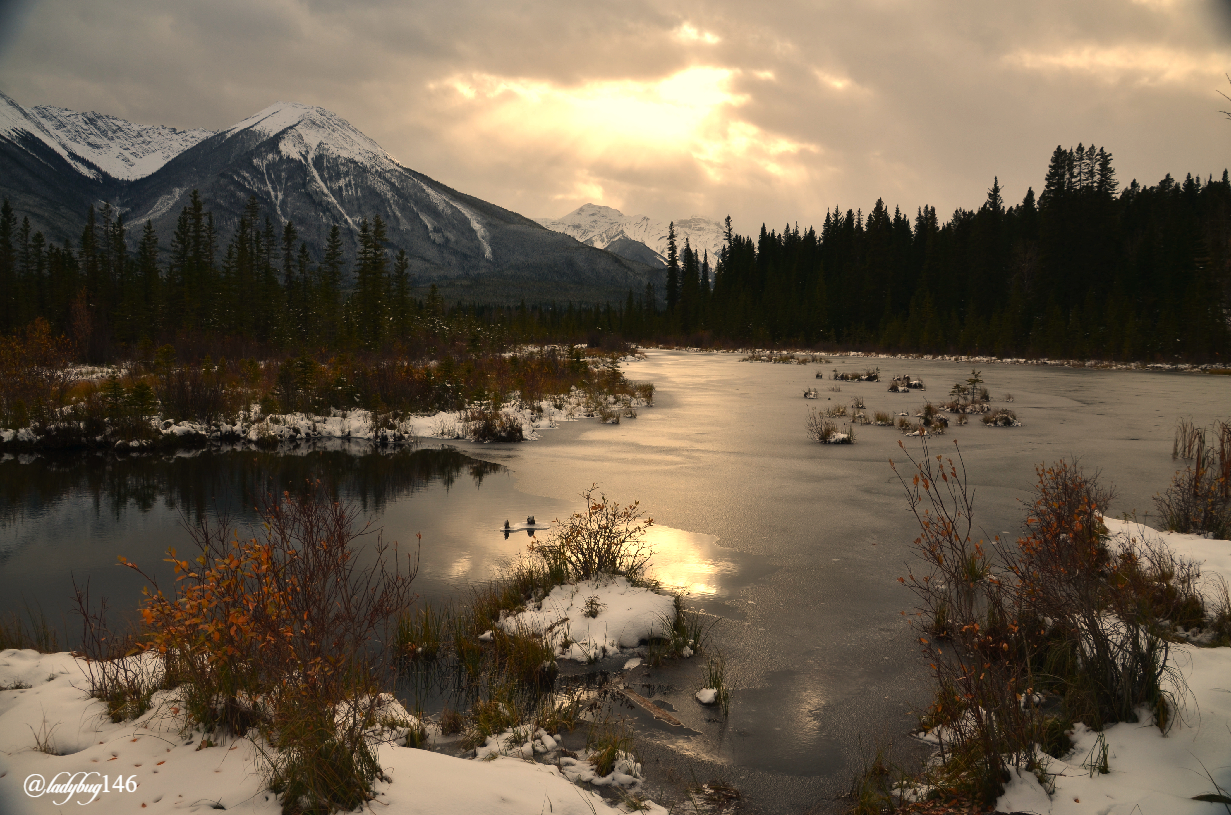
(117, 671)
(1219, 613)
(1058, 612)
(193, 393)
(281, 632)
(1000, 418)
(822, 430)
(33, 371)
(1100, 609)
(489, 423)
(605, 538)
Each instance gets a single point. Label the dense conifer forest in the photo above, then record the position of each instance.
(1086, 270)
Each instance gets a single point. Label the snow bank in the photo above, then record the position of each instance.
(170, 769)
(623, 617)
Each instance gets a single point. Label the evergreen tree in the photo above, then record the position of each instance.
(9, 295)
(330, 286)
(401, 295)
(690, 289)
(673, 271)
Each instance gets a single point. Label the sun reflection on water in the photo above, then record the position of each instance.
(690, 562)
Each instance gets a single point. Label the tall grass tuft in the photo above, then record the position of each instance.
(716, 678)
(32, 632)
(1199, 497)
(421, 633)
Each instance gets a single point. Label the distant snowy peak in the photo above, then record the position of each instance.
(601, 226)
(304, 130)
(116, 146)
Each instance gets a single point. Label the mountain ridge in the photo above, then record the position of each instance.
(605, 227)
(303, 164)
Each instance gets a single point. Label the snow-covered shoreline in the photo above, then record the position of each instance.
(157, 763)
(1091, 364)
(154, 764)
(1150, 771)
(254, 428)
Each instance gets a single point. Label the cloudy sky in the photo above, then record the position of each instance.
(770, 112)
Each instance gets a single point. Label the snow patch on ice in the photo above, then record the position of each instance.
(628, 615)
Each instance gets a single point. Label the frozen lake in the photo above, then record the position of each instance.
(796, 547)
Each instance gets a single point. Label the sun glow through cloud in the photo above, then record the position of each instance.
(691, 115)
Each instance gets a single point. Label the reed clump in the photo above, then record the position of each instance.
(1199, 497)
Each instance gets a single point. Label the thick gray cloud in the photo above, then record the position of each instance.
(769, 112)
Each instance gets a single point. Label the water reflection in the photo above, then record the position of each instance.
(689, 562)
(203, 482)
(71, 518)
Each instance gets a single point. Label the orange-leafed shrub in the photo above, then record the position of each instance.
(33, 373)
(280, 631)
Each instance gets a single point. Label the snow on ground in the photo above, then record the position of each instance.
(767, 355)
(588, 620)
(160, 767)
(359, 425)
(1152, 772)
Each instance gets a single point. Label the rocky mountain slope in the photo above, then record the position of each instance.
(117, 147)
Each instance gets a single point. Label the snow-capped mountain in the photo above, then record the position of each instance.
(40, 176)
(94, 144)
(312, 167)
(117, 147)
(608, 228)
(302, 164)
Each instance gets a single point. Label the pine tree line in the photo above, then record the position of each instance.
(1087, 270)
(264, 285)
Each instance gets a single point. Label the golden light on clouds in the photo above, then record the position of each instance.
(689, 33)
(664, 111)
(838, 83)
(1144, 65)
(691, 116)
